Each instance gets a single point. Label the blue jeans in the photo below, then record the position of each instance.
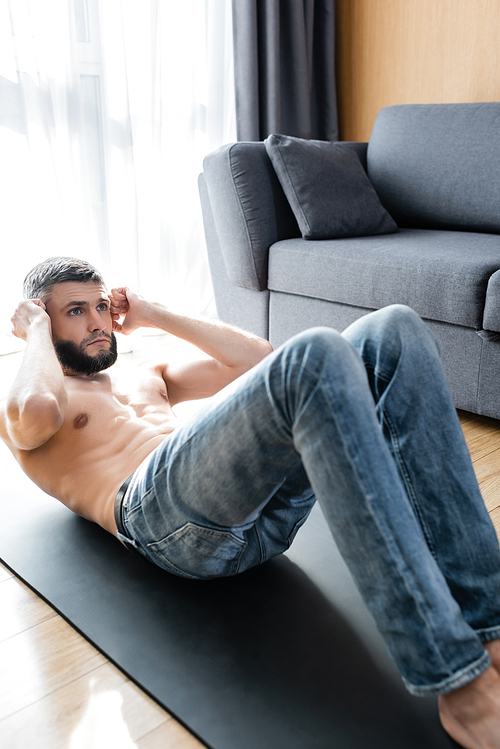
(363, 422)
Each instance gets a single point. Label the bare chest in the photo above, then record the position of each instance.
(109, 402)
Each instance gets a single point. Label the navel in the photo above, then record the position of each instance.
(81, 421)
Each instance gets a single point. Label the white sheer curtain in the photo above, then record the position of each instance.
(107, 109)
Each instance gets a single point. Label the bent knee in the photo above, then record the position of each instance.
(318, 337)
(390, 329)
(398, 314)
(318, 345)
(394, 320)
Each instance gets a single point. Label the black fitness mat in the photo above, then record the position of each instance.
(284, 656)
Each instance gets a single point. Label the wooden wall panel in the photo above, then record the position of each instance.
(413, 51)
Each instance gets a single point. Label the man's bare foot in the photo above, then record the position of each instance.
(493, 649)
(471, 714)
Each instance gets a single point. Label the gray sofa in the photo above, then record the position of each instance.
(436, 170)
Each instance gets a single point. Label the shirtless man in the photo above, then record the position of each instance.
(79, 433)
(383, 454)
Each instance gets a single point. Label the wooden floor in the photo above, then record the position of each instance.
(57, 691)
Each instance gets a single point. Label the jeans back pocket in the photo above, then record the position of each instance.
(198, 552)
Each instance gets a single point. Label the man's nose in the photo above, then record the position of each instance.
(95, 322)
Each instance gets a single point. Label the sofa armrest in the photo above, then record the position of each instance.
(491, 316)
(250, 210)
(245, 308)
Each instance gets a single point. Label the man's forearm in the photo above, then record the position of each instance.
(226, 343)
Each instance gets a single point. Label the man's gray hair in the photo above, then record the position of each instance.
(40, 280)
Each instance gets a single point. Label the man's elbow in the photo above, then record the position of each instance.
(260, 350)
(34, 421)
(265, 349)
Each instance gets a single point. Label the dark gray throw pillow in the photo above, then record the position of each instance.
(327, 188)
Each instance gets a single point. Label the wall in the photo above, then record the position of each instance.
(413, 51)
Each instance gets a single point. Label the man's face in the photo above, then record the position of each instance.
(82, 329)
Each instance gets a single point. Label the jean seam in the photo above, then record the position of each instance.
(393, 433)
(131, 512)
(412, 495)
(261, 548)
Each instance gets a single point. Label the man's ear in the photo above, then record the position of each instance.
(44, 304)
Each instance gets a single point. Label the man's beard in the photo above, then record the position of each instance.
(73, 357)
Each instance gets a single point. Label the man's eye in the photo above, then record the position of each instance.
(102, 307)
(75, 311)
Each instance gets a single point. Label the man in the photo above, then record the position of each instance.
(362, 421)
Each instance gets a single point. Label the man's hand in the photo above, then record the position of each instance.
(131, 307)
(26, 314)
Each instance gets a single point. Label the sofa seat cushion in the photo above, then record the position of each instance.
(442, 275)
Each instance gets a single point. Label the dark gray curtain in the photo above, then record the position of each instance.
(284, 60)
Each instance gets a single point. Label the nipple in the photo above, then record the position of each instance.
(81, 421)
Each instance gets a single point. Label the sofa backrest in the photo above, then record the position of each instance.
(438, 165)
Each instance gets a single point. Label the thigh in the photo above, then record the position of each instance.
(196, 502)
(284, 514)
